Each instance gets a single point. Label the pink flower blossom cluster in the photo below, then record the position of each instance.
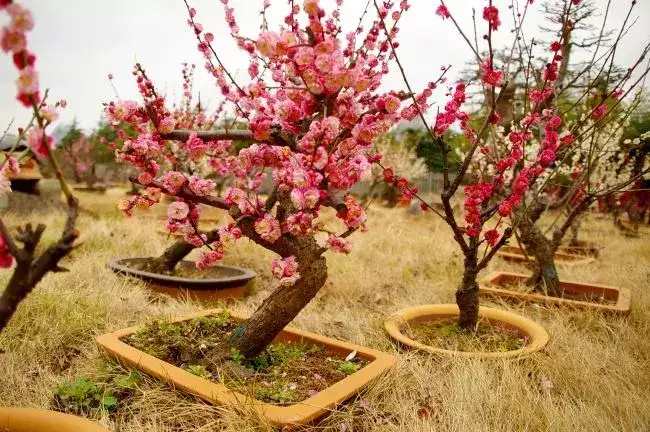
(314, 116)
(285, 270)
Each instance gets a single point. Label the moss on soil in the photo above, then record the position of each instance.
(284, 373)
(446, 334)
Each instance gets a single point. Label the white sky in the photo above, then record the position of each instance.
(78, 42)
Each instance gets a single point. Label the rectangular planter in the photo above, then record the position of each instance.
(516, 254)
(583, 247)
(299, 413)
(494, 286)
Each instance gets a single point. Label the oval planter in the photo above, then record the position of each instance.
(299, 413)
(537, 336)
(232, 285)
(583, 247)
(40, 420)
(516, 254)
(495, 285)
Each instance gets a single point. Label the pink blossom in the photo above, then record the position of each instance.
(6, 260)
(21, 18)
(145, 178)
(286, 270)
(12, 40)
(266, 43)
(491, 15)
(491, 236)
(599, 112)
(195, 146)
(27, 81)
(268, 228)
(166, 125)
(36, 142)
(338, 244)
(443, 12)
(201, 187)
(355, 215)
(173, 181)
(208, 259)
(178, 210)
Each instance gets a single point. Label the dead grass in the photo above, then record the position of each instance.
(593, 376)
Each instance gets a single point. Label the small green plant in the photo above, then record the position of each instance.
(82, 396)
(348, 368)
(128, 382)
(280, 392)
(236, 356)
(199, 370)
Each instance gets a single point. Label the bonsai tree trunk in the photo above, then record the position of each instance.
(467, 294)
(167, 262)
(535, 243)
(281, 307)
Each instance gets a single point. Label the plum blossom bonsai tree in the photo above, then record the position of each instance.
(30, 265)
(493, 200)
(594, 166)
(313, 108)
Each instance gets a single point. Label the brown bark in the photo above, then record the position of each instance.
(281, 307)
(30, 267)
(467, 295)
(167, 262)
(545, 278)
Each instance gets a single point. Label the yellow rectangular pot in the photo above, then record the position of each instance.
(516, 254)
(299, 413)
(493, 284)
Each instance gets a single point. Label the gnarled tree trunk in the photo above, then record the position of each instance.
(545, 277)
(281, 307)
(167, 262)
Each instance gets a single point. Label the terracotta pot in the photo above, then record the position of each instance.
(583, 247)
(516, 254)
(641, 228)
(232, 286)
(495, 285)
(40, 420)
(537, 336)
(297, 414)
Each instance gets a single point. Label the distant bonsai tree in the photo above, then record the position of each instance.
(31, 264)
(594, 166)
(505, 176)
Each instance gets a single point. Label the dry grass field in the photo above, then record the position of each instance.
(593, 376)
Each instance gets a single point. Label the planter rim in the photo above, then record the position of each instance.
(559, 258)
(622, 305)
(538, 337)
(118, 266)
(42, 420)
(299, 413)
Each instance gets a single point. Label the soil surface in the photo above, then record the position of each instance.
(284, 373)
(446, 334)
(590, 298)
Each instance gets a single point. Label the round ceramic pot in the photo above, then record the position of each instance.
(40, 420)
(536, 336)
(231, 283)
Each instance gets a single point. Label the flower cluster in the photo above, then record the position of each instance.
(286, 270)
(313, 107)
